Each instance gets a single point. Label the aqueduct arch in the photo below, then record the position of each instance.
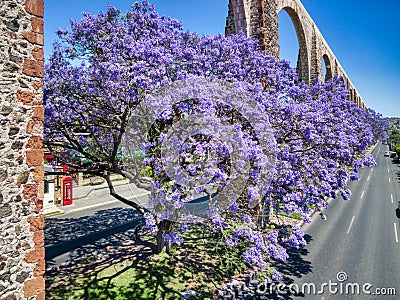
(328, 67)
(303, 70)
(259, 19)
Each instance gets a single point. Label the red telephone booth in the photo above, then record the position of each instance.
(67, 190)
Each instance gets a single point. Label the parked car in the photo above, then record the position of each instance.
(387, 153)
(392, 154)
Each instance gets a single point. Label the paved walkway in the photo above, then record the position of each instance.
(85, 197)
(80, 192)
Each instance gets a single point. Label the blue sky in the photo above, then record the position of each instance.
(363, 34)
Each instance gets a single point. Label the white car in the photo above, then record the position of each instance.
(387, 153)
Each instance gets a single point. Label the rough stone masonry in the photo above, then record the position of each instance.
(22, 261)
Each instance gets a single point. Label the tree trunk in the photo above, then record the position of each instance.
(263, 215)
(113, 193)
(164, 227)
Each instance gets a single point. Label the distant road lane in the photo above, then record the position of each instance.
(360, 238)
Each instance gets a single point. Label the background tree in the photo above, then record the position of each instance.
(394, 138)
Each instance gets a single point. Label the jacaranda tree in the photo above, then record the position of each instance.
(184, 115)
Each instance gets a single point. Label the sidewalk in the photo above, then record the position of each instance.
(85, 197)
(80, 192)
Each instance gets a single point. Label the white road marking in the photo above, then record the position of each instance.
(362, 194)
(368, 177)
(395, 233)
(391, 197)
(389, 179)
(351, 224)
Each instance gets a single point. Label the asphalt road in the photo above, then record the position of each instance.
(97, 219)
(358, 245)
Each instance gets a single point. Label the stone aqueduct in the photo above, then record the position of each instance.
(259, 19)
(22, 262)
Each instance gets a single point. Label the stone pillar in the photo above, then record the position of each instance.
(336, 73)
(270, 34)
(257, 19)
(315, 63)
(230, 21)
(22, 263)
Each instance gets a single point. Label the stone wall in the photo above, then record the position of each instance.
(22, 261)
(259, 19)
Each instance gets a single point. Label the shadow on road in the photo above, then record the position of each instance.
(295, 267)
(84, 236)
(62, 229)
